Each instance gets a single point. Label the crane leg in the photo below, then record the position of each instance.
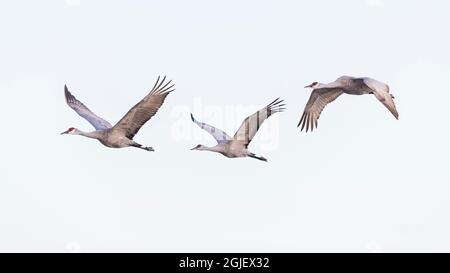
(150, 149)
(137, 145)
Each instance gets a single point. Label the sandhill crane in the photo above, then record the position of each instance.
(121, 135)
(237, 145)
(323, 94)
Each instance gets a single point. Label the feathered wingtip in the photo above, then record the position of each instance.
(68, 96)
(159, 88)
(192, 117)
(308, 122)
(66, 91)
(276, 106)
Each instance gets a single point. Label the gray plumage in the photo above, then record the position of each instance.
(324, 94)
(122, 134)
(237, 145)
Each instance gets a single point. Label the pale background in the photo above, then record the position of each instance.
(362, 182)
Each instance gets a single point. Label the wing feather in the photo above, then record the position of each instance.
(251, 124)
(137, 116)
(83, 111)
(317, 101)
(381, 92)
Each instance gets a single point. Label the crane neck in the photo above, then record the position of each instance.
(330, 85)
(93, 134)
(217, 149)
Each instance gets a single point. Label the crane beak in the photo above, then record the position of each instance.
(195, 148)
(63, 133)
(308, 86)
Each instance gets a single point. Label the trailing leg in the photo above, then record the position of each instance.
(137, 145)
(252, 155)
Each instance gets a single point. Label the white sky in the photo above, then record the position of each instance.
(362, 182)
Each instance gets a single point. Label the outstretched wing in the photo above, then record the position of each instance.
(251, 124)
(82, 110)
(381, 92)
(317, 101)
(220, 136)
(130, 124)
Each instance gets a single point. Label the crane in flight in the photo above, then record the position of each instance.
(237, 145)
(323, 94)
(121, 135)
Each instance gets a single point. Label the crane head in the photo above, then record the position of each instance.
(70, 131)
(198, 147)
(312, 85)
